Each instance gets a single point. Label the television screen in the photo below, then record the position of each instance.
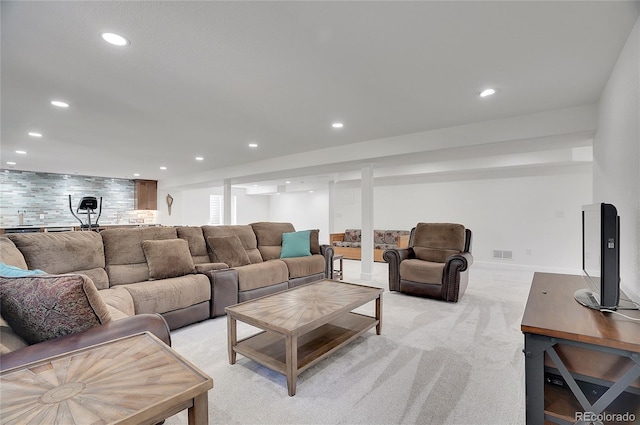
(600, 256)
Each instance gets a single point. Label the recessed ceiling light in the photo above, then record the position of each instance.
(163, 168)
(199, 158)
(136, 174)
(59, 104)
(253, 145)
(287, 182)
(337, 125)
(115, 39)
(21, 152)
(35, 134)
(311, 191)
(11, 163)
(487, 92)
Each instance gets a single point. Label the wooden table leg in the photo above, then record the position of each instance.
(379, 314)
(291, 349)
(232, 338)
(199, 412)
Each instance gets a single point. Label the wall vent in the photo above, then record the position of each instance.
(503, 254)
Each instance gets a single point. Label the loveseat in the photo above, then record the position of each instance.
(349, 243)
(177, 272)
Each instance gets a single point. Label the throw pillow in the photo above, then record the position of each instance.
(296, 244)
(228, 250)
(168, 258)
(12, 271)
(39, 308)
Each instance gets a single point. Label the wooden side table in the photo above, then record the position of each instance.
(131, 380)
(337, 273)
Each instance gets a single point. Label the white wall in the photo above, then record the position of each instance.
(616, 151)
(191, 207)
(537, 217)
(303, 210)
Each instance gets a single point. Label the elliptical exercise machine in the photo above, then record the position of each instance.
(87, 206)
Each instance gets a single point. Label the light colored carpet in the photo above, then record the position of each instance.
(435, 363)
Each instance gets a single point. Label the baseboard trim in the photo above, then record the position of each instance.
(523, 267)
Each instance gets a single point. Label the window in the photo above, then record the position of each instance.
(216, 210)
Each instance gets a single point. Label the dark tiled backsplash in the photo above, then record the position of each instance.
(43, 199)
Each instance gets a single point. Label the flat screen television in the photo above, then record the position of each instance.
(600, 257)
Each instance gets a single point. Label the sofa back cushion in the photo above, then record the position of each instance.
(269, 237)
(124, 256)
(10, 255)
(197, 243)
(64, 252)
(44, 307)
(242, 231)
(437, 241)
(353, 235)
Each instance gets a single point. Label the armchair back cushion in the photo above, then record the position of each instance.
(437, 241)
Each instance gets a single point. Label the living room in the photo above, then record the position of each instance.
(516, 173)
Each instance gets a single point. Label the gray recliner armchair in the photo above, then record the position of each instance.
(436, 263)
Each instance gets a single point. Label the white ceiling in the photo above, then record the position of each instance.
(207, 78)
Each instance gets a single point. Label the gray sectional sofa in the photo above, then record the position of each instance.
(178, 272)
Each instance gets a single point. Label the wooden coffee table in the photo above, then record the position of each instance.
(132, 380)
(302, 325)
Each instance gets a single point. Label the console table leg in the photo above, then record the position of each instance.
(379, 314)
(534, 347)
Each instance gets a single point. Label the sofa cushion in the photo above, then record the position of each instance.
(269, 237)
(439, 236)
(228, 250)
(118, 298)
(162, 296)
(305, 266)
(197, 244)
(421, 271)
(296, 244)
(168, 258)
(11, 255)
(124, 256)
(267, 273)
(434, 255)
(40, 308)
(64, 253)
(244, 232)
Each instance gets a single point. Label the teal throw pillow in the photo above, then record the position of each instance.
(296, 244)
(12, 271)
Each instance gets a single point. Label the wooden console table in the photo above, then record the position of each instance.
(132, 380)
(583, 347)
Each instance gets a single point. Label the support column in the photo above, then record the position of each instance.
(367, 222)
(227, 202)
(332, 206)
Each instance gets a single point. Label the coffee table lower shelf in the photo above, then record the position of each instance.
(269, 349)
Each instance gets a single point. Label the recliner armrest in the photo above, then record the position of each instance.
(465, 259)
(394, 257)
(327, 252)
(153, 323)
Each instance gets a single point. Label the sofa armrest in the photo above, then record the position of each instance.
(224, 290)
(394, 257)
(327, 252)
(153, 323)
